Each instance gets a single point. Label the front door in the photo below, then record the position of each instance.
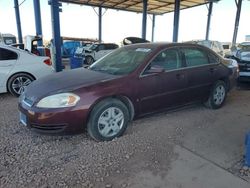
(165, 89)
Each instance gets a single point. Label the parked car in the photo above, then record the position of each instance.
(18, 68)
(96, 51)
(242, 55)
(226, 48)
(131, 81)
(133, 40)
(214, 45)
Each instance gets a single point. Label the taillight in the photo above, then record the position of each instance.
(47, 52)
(47, 62)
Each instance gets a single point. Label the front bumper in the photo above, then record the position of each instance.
(65, 120)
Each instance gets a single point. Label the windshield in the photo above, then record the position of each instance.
(122, 61)
(93, 46)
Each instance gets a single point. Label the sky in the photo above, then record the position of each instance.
(82, 21)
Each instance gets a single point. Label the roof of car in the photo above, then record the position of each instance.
(3, 45)
(164, 44)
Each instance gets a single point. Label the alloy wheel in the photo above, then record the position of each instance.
(110, 122)
(219, 94)
(20, 83)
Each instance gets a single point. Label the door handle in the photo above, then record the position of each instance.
(180, 76)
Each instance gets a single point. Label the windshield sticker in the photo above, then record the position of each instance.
(143, 50)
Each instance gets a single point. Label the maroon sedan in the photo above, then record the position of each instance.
(130, 82)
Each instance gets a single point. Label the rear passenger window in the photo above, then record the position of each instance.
(195, 57)
(7, 54)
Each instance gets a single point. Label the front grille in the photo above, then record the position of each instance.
(244, 66)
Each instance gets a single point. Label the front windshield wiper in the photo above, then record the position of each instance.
(103, 71)
(98, 69)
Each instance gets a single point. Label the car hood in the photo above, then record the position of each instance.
(244, 55)
(65, 82)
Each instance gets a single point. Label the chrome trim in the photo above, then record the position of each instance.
(182, 68)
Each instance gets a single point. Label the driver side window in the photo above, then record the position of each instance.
(167, 59)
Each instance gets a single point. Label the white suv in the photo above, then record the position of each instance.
(96, 51)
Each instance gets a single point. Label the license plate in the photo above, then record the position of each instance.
(23, 119)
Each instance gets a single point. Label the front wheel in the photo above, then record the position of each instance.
(18, 83)
(108, 119)
(217, 96)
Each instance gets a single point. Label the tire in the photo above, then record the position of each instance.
(89, 60)
(18, 82)
(108, 120)
(217, 96)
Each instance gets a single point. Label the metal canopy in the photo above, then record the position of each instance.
(157, 7)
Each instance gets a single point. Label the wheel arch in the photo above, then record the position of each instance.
(22, 72)
(90, 56)
(125, 100)
(227, 82)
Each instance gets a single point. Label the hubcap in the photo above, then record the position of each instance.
(110, 122)
(20, 83)
(219, 95)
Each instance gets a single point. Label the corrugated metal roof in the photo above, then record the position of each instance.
(154, 6)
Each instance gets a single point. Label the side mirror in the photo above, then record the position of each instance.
(155, 69)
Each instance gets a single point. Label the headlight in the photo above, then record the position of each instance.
(58, 101)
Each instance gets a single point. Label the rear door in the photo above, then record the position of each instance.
(166, 89)
(201, 74)
(8, 60)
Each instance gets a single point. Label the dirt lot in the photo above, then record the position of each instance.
(191, 147)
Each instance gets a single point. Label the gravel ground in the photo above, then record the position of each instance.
(28, 159)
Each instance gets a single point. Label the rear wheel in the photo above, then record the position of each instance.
(18, 82)
(108, 119)
(217, 96)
